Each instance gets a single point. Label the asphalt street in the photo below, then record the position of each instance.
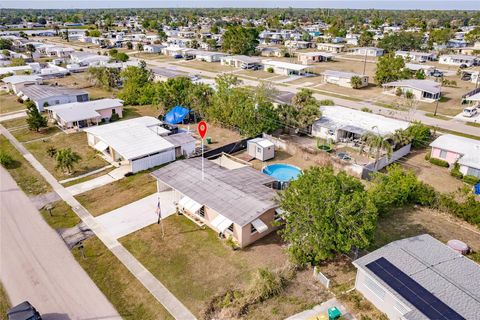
(35, 264)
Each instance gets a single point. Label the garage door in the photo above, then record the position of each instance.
(153, 160)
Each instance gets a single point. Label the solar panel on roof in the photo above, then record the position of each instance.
(412, 291)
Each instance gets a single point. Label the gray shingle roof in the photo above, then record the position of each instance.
(36, 92)
(448, 275)
(238, 194)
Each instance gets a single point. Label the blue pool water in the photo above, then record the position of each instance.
(282, 172)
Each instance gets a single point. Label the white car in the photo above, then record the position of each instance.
(470, 111)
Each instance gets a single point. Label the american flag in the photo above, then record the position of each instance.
(158, 211)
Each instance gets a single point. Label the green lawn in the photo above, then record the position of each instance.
(195, 266)
(61, 216)
(18, 122)
(5, 304)
(25, 134)
(29, 180)
(125, 293)
(119, 193)
(77, 142)
(9, 103)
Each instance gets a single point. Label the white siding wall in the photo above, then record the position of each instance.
(152, 161)
(377, 294)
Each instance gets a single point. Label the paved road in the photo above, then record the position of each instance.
(35, 264)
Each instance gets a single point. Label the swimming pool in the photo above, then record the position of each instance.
(282, 172)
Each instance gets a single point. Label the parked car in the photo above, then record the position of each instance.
(194, 77)
(470, 111)
(178, 56)
(23, 311)
(436, 73)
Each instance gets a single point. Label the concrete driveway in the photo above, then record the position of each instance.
(321, 311)
(137, 215)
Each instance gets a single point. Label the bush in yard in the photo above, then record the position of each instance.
(66, 159)
(51, 151)
(326, 102)
(420, 134)
(114, 117)
(314, 228)
(366, 109)
(356, 82)
(471, 179)
(398, 92)
(439, 162)
(455, 172)
(6, 160)
(428, 155)
(270, 69)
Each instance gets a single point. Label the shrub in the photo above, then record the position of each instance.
(365, 109)
(6, 160)
(51, 151)
(471, 179)
(439, 162)
(398, 92)
(428, 155)
(114, 117)
(456, 171)
(326, 102)
(270, 69)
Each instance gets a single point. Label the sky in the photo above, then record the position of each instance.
(353, 4)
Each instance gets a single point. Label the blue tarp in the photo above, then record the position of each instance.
(477, 188)
(176, 115)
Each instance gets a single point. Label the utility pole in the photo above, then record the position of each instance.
(436, 105)
(365, 61)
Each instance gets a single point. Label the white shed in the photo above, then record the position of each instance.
(261, 149)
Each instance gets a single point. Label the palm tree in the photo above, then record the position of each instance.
(66, 158)
(399, 138)
(376, 143)
(31, 48)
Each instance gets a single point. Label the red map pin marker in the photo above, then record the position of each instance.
(202, 128)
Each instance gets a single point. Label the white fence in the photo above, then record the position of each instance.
(321, 277)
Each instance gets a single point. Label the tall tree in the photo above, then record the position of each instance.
(400, 41)
(35, 120)
(390, 68)
(240, 40)
(326, 214)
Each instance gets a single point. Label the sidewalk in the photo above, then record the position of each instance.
(155, 287)
(110, 177)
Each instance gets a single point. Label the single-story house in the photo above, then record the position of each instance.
(366, 51)
(458, 60)
(163, 74)
(464, 151)
(416, 56)
(423, 90)
(16, 83)
(17, 69)
(342, 78)
(270, 52)
(471, 74)
(285, 68)
(312, 57)
(85, 114)
(58, 51)
(420, 278)
(140, 143)
(427, 69)
(43, 95)
(208, 56)
(153, 48)
(87, 59)
(239, 61)
(235, 200)
(341, 123)
(331, 47)
(298, 44)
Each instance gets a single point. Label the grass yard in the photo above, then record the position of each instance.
(261, 75)
(119, 193)
(78, 142)
(9, 103)
(62, 216)
(15, 123)
(5, 304)
(130, 112)
(24, 134)
(205, 66)
(195, 266)
(126, 293)
(220, 135)
(29, 180)
(89, 177)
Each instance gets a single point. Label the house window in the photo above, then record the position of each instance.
(201, 212)
(473, 172)
(443, 154)
(252, 229)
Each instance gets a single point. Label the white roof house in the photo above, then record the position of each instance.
(339, 123)
(240, 61)
(424, 90)
(458, 60)
(343, 78)
(416, 56)
(366, 51)
(285, 68)
(51, 95)
(87, 59)
(138, 142)
(420, 278)
(419, 66)
(84, 114)
(17, 82)
(465, 151)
